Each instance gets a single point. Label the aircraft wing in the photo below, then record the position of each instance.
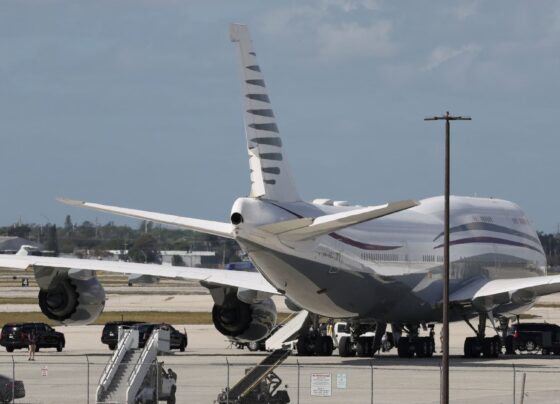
(489, 294)
(306, 228)
(247, 280)
(203, 226)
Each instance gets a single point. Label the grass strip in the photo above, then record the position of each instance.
(171, 317)
(19, 300)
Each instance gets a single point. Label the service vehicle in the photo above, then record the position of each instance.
(160, 386)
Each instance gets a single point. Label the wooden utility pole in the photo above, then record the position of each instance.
(444, 393)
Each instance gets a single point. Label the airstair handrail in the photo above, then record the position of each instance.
(144, 362)
(125, 343)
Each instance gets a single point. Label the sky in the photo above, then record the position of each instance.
(138, 103)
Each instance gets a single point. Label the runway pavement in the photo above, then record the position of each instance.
(209, 364)
(203, 371)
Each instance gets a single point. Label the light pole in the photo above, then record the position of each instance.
(444, 393)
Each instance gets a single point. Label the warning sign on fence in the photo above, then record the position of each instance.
(341, 380)
(321, 384)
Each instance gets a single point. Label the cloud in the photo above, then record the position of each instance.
(277, 21)
(352, 5)
(465, 10)
(336, 29)
(352, 39)
(441, 55)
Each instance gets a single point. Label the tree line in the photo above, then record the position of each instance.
(143, 243)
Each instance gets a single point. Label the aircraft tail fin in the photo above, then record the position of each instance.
(270, 174)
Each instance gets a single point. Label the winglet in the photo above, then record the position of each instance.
(71, 202)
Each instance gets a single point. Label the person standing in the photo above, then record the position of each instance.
(32, 341)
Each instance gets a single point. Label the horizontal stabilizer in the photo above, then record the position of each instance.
(306, 228)
(203, 226)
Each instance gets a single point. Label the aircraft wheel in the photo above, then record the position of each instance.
(328, 346)
(302, 346)
(509, 345)
(421, 347)
(488, 348)
(424, 347)
(404, 348)
(345, 347)
(253, 346)
(361, 347)
(471, 348)
(531, 345)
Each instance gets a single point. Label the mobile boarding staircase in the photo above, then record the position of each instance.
(260, 384)
(128, 368)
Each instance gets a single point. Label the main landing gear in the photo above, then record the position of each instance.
(413, 344)
(359, 345)
(489, 347)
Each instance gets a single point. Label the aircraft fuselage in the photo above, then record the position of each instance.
(390, 269)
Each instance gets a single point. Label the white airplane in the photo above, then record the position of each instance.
(371, 266)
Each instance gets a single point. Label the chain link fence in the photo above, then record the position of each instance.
(200, 379)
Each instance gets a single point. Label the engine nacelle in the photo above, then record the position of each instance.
(244, 322)
(70, 296)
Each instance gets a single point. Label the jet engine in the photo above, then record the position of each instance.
(242, 321)
(70, 296)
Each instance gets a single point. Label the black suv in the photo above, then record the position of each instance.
(10, 389)
(110, 333)
(178, 339)
(531, 337)
(16, 336)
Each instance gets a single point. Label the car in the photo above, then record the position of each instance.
(532, 337)
(16, 336)
(10, 389)
(178, 339)
(110, 333)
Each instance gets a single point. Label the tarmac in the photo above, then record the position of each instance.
(210, 364)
